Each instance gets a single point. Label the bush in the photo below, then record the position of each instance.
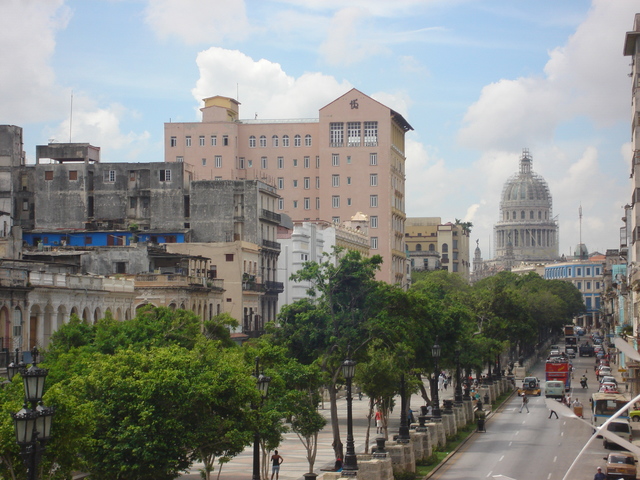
(406, 475)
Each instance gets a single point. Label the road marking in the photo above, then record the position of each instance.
(510, 443)
(489, 474)
(555, 459)
(549, 476)
(517, 432)
(501, 458)
(562, 434)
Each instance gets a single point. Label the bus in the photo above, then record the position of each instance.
(605, 405)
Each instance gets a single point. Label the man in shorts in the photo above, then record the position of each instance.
(276, 461)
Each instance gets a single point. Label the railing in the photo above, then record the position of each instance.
(251, 287)
(215, 283)
(269, 215)
(10, 277)
(274, 287)
(159, 279)
(270, 244)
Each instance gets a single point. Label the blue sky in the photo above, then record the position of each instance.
(477, 79)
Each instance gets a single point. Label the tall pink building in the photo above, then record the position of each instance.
(350, 159)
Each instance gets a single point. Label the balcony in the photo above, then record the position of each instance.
(173, 280)
(274, 287)
(271, 245)
(252, 287)
(269, 215)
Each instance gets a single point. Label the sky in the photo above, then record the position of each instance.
(478, 80)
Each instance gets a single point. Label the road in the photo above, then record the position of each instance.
(531, 446)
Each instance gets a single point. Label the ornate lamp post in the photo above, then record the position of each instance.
(263, 388)
(435, 353)
(32, 425)
(403, 433)
(350, 466)
(458, 393)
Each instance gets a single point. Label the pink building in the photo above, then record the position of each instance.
(350, 159)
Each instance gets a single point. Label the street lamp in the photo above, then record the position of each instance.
(403, 433)
(32, 425)
(263, 388)
(435, 353)
(458, 393)
(350, 466)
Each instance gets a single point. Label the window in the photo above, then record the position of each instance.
(579, 285)
(307, 140)
(120, 267)
(188, 141)
(280, 162)
(215, 178)
(133, 201)
(335, 219)
(588, 269)
(353, 134)
(588, 285)
(348, 180)
(318, 203)
(336, 134)
(349, 159)
(25, 205)
(597, 271)
(165, 175)
(445, 248)
(295, 204)
(241, 163)
(307, 183)
(335, 180)
(373, 221)
(588, 302)
(373, 201)
(285, 140)
(252, 141)
(317, 182)
(370, 134)
(225, 140)
(281, 204)
(349, 202)
(201, 140)
(539, 215)
(295, 184)
(274, 141)
(317, 161)
(307, 203)
(263, 141)
(579, 272)
(374, 243)
(280, 183)
(228, 257)
(218, 161)
(109, 176)
(179, 159)
(249, 163)
(522, 216)
(373, 179)
(306, 162)
(531, 215)
(297, 141)
(335, 201)
(455, 244)
(214, 140)
(173, 142)
(73, 175)
(295, 162)
(373, 159)
(204, 161)
(263, 162)
(335, 160)
(597, 285)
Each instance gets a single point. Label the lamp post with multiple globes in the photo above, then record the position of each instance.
(263, 388)
(350, 466)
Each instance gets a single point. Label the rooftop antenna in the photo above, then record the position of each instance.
(580, 215)
(71, 116)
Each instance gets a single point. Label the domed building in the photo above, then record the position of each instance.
(526, 230)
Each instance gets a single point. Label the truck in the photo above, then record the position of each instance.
(586, 350)
(569, 330)
(558, 368)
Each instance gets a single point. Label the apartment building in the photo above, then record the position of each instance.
(349, 159)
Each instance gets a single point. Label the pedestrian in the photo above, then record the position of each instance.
(410, 418)
(599, 475)
(553, 412)
(525, 403)
(337, 467)
(445, 383)
(276, 461)
(378, 421)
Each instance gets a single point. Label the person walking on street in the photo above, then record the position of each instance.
(378, 421)
(276, 461)
(525, 403)
(599, 475)
(553, 412)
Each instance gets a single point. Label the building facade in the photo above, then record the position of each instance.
(349, 159)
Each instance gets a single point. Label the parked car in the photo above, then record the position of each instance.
(620, 427)
(608, 387)
(608, 379)
(603, 371)
(621, 465)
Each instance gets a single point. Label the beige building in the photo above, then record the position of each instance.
(433, 245)
(349, 159)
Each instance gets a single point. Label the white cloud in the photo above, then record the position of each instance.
(225, 72)
(587, 76)
(195, 21)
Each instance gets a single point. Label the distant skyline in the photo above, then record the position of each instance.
(479, 80)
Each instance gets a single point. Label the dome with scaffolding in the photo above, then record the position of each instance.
(526, 230)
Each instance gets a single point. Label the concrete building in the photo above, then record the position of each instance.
(351, 158)
(16, 194)
(433, 245)
(587, 274)
(526, 230)
(309, 241)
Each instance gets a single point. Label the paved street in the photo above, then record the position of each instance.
(294, 454)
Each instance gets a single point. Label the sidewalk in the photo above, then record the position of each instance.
(291, 449)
